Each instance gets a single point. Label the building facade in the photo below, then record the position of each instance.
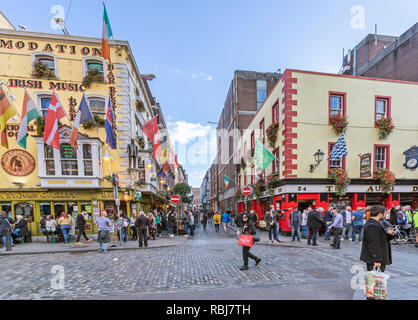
(302, 104)
(41, 180)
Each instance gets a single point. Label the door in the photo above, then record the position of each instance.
(26, 209)
(59, 207)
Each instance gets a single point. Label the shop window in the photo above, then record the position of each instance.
(86, 206)
(69, 165)
(59, 208)
(87, 159)
(381, 157)
(24, 209)
(382, 107)
(45, 209)
(97, 106)
(337, 104)
(276, 162)
(49, 160)
(72, 209)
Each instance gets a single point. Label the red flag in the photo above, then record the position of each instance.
(175, 160)
(54, 113)
(151, 131)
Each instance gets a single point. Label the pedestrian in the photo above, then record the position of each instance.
(142, 223)
(328, 221)
(153, 232)
(6, 230)
(134, 234)
(337, 226)
(20, 228)
(225, 220)
(205, 218)
(295, 222)
(393, 215)
(104, 225)
(304, 223)
(191, 223)
(216, 221)
(358, 223)
(81, 226)
(248, 228)
(253, 217)
(65, 224)
(314, 223)
(347, 223)
(376, 251)
(271, 219)
(42, 223)
(367, 214)
(239, 223)
(171, 223)
(415, 222)
(51, 226)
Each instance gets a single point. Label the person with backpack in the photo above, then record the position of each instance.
(216, 221)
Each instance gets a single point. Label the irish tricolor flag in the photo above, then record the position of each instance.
(226, 180)
(107, 33)
(29, 113)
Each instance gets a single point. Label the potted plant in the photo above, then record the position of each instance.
(339, 123)
(386, 179)
(273, 182)
(385, 127)
(340, 178)
(272, 132)
(140, 105)
(243, 164)
(93, 75)
(40, 125)
(41, 70)
(141, 141)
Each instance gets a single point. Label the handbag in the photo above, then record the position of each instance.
(246, 240)
(262, 224)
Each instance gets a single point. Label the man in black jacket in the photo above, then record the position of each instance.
(314, 223)
(142, 223)
(376, 250)
(81, 226)
(328, 221)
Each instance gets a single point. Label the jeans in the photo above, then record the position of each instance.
(360, 230)
(304, 231)
(125, 234)
(81, 232)
(186, 228)
(313, 233)
(103, 246)
(277, 231)
(43, 230)
(327, 232)
(65, 229)
(337, 237)
(247, 254)
(273, 232)
(143, 237)
(4, 239)
(16, 232)
(170, 229)
(217, 227)
(295, 229)
(191, 230)
(349, 228)
(134, 233)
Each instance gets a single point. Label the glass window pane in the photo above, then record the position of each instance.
(48, 152)
(50, 167)
(87, 151)
(45, 105)
(95, 65)
(69, 167)
(97, 105)
(49, 62)
(261, 85)
(88, 167)
(45, 209)
(6, 207)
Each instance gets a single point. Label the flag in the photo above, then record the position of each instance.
(29, 113)
(6, 112)
(151, 131)
(263, 157)
(106, 34)
(226, 181)
(164, 156)
(161, 174)
(54, 113)
(171, 160)
(175, 160)
(110, 135)
(83, 115)
(339, 149)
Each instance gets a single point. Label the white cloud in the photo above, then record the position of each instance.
(210, 78)
(177, 71)
(194, 75)
(184, 132)
(203, 75)
(196, 178)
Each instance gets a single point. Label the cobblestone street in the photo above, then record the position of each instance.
(204, 267)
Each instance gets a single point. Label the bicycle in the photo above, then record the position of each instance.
(234, 230)
(400, 235)
(412, 235)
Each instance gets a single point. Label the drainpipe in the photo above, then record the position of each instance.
(355, 61)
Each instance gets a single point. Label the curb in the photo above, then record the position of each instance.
(287, 245)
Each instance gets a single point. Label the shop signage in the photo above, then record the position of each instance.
(67, 151)
(365, 165)
(52, 85)
(317, 188)
(18, 163)
(138, 196)
(411, 158)
(56, 195)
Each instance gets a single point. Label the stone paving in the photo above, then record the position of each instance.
(204, 263)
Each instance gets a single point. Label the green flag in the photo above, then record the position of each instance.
(263, 157)
(226, 181)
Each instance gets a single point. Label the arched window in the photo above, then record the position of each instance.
(94, 64)
(97, 105)
(44, 65)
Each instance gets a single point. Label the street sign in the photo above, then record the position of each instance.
(138, 196)
(175, 198)
(117, 202)
(247, 191)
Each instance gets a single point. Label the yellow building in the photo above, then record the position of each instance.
(41, 180)
(302, 103)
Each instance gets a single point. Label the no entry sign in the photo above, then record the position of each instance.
(247, 191)
(175, 198)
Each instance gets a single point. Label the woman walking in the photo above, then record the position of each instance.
(134, 235)
(248, 228)
(65, 223)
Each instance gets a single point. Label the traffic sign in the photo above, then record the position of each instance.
(247, 191)
(138, 196)
(175, 198)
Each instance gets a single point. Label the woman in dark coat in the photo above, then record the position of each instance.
(248, 228)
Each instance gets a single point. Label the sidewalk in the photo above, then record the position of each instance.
(286, 241)
(42, 247)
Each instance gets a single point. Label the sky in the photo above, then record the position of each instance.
(194, 46)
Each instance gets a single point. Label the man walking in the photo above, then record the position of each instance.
(358, 223)
(81, 226)
(328, 221)
(191, 223)
(304, 223)
(337, 225)
(225, 220)
(271, 219)
(205, 220)
(314, 223)
(295, 221)
(142, 223)
(347, 223)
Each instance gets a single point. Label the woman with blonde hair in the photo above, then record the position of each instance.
(153, 226)
(65, 223)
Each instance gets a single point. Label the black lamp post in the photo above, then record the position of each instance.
(319, 156)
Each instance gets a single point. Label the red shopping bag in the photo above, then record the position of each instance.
(246, 240)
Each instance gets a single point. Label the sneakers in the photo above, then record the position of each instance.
(244, 268)
(271, 241)
(89, 240)
(332, 245)
(257, 261)
(100, 251)
(278, 240)
(292, 241)
(314, 245)
(350, 239)
(299, 241)
(78, 243)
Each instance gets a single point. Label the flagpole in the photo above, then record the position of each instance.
(10, 100)
(37, 108)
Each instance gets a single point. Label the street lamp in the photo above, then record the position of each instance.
(318, 156)
(107, 158)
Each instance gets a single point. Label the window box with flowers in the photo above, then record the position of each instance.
(341, 180)
(272, 131)
(243, 164)
(259, 187)
(385, 127)
(338, 123)
(386, 179)
(41, 70)
(99, 122)
(93, 75)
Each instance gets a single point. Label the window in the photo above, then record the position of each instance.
(49, 62)
(262, 134)
(239, 182)
(245, 149)
(261, 92)
(88, 163)
(337, 103)
(245, 179)
(95, 65)
(69, 166)
(382, 107)
(381, 157)
(275, 113)
(252, 141)
(97, 106)
(49, 160)
(45, 101)
(334, 163)
(276, 162)
(252, 174)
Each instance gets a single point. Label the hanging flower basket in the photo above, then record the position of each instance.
(243, 164)
(341, 180)
(272, 132)
(273, 181)
(339, 123)
(385, 127)
(41, 70)
(259, 187)
(386, 179)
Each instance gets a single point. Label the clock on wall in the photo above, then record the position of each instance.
(411, 158)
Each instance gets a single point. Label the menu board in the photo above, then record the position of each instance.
(365, 165)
